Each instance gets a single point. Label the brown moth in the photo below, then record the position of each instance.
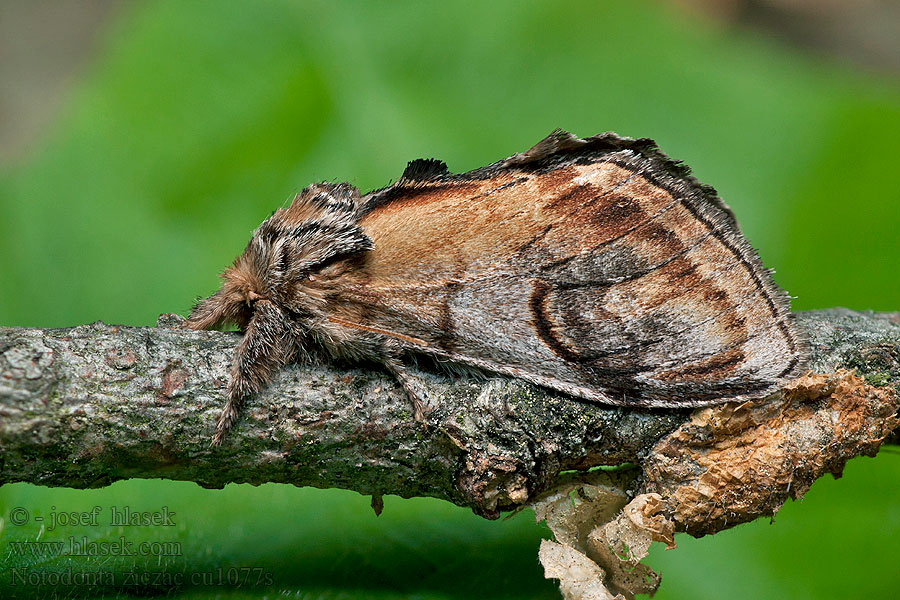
(597, 267)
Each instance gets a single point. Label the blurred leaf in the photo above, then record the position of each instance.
(845, 213)
(284, 538)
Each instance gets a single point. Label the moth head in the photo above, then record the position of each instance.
(289, 259)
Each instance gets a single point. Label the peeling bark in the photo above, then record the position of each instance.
(732, 464)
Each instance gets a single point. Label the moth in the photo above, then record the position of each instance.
(597, 267)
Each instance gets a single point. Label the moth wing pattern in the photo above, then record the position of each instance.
(598, 267)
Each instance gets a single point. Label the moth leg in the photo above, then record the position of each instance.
(233, 403)
(264, 348)
(411, 386)
(226, 421)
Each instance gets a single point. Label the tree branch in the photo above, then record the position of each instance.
(85, 406)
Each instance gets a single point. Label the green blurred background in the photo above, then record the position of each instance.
(187, 123)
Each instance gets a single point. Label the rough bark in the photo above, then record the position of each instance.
(85, 406)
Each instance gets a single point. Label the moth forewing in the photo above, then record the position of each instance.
(611, 275)
(597, 267)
